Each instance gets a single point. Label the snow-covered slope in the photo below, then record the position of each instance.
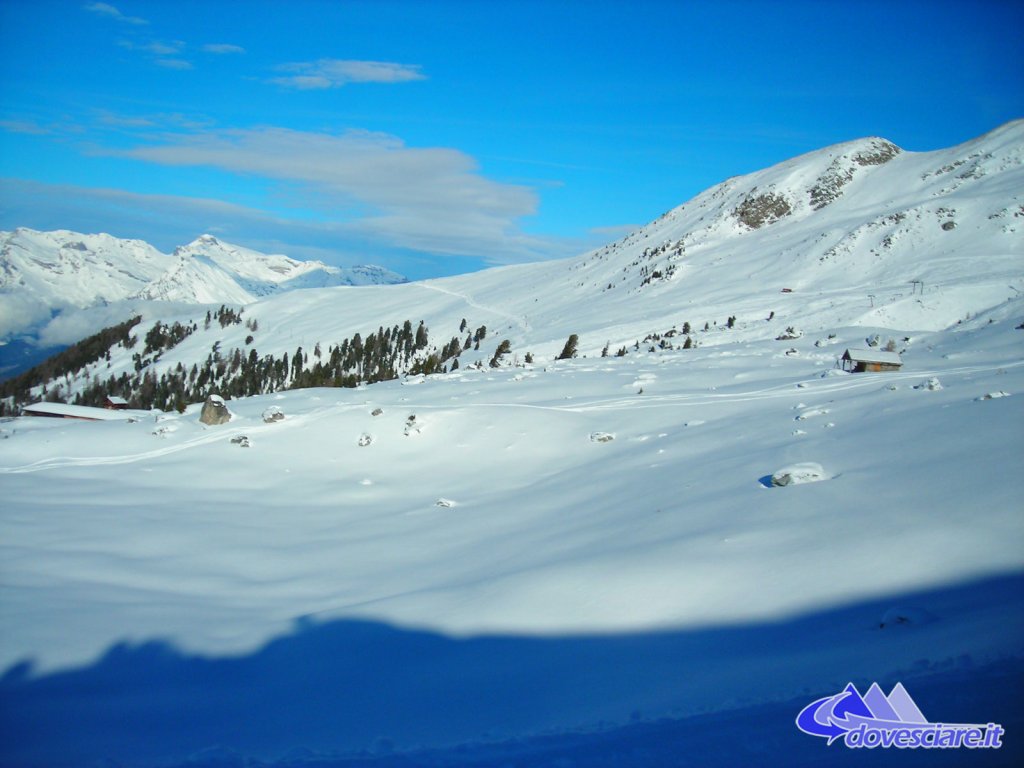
(566, 545)
(858, 234)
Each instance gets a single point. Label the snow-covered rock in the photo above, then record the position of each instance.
(798, 474)
(272, 414)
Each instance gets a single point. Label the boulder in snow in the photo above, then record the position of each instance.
(365, 440)
(215, 411)
(601, 437)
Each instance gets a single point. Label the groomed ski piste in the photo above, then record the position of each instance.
(564, 562)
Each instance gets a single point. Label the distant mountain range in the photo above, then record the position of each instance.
(43, 274)
(65, 268)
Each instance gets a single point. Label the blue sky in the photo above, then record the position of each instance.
(439, 137)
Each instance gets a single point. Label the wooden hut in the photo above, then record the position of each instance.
(870, 361)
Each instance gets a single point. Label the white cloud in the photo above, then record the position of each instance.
(223, 48)
(431, 199)
(19, 314)
(105, 9)
(334, 73)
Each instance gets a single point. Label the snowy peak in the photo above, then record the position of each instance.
(862, 211)
(258, 274)
(195, 278)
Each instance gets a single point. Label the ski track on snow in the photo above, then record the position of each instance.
(523, 325)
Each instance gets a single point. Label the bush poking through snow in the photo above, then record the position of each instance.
(601, 437)
(932, 385)
(365, 440)
(788, 334)
(903, 616)
(798, 474)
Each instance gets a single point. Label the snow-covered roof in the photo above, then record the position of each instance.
(115, 400)
(74, 411)
(873, 356)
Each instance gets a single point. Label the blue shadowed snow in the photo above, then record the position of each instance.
(349, 693)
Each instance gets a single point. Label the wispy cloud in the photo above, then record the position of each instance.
(373, 186)
(109, 11)
(162, 53)
(23, 126)
(158, 48)
(173, 63)
(334, 73)
(223, 48)
(124, 121)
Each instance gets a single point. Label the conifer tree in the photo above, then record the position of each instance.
(569, 350)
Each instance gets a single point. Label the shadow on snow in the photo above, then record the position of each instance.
(349, 693)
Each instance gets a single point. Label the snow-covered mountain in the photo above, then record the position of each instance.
(209, 270)
(563, 561)
(859, 234)
(62, 268)
(44, 272)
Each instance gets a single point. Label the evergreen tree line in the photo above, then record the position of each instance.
(380, 356)
(17, 390)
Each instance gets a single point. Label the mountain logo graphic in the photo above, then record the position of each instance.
(876, 720)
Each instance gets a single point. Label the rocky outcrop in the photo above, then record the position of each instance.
(757, 210)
